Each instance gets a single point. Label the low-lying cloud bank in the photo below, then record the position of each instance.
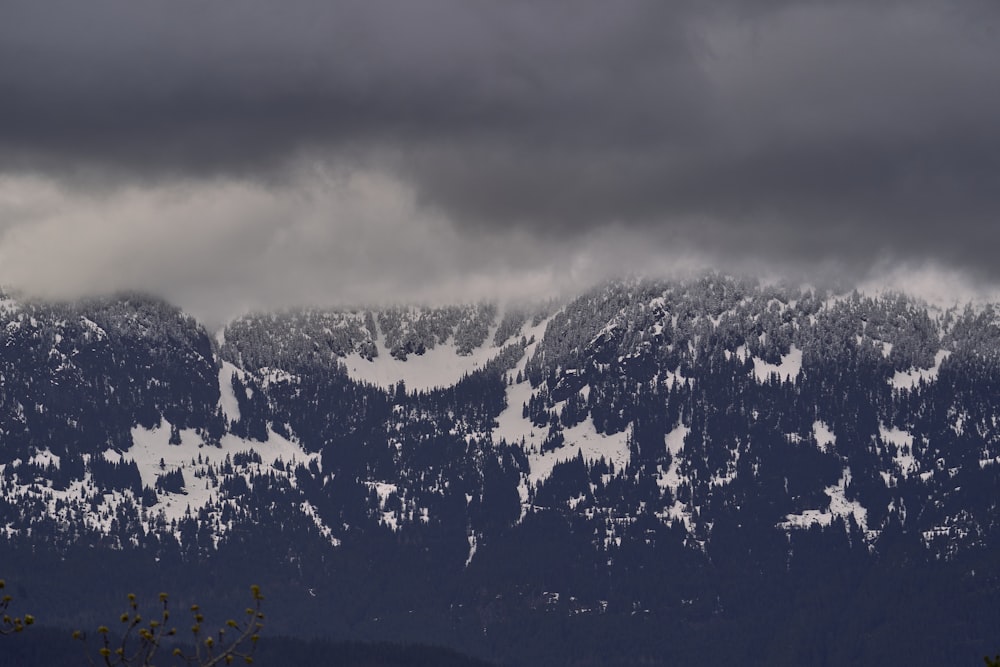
(222, 247)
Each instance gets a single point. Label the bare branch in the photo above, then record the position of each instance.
(140, 640)
(11, 624)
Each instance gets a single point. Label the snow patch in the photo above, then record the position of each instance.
(913, 377)
(154, 455)
(512, 425)
(383, 490)
(989, 462)
(227, 397)
(441, 366)
(839, 507)
(44, 458)
(674, 442)
(324, 530)
(671, 478)
(787, 370)
(676, 378)
(94, 328)
(581, 439)
(472, 548)
(824, 436)
(903, 441)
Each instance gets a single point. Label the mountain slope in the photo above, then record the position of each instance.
(717, 452)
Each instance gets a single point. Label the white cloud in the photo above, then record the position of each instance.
(221, 247)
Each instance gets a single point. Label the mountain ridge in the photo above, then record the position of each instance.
(644, 433)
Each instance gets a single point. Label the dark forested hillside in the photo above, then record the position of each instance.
(652, 473)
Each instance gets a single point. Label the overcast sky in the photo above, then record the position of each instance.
(236, 154)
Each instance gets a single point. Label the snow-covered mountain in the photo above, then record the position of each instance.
(674, 450)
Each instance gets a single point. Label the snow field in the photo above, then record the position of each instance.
(910, 379)
(839, 507)
(154, 455)
(441, 366)
(787, 370)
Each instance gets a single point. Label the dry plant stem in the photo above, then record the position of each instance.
(11, 624)
(222, 649)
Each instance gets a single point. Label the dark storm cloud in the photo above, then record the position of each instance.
(237, 85)
(809, 130)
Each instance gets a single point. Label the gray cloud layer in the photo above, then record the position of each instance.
(795, 132)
